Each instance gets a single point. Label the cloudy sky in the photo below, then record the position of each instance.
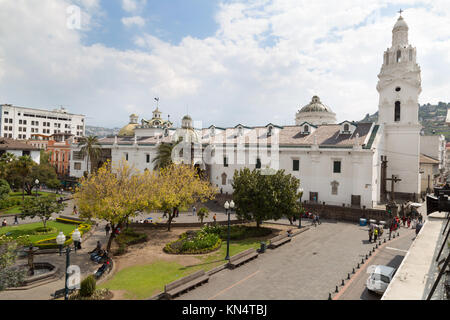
(222, 61)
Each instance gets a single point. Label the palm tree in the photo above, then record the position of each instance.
(164, 156)
(90, 148)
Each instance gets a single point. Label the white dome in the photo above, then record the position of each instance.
(315, 113)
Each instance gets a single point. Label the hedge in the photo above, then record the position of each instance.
(192, 242)
(50, 243)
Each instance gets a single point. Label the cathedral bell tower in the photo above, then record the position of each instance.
(399, 87)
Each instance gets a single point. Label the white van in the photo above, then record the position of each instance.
(379, 279)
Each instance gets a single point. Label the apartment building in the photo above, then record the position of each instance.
(21, 123)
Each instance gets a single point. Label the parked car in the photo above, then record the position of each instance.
(379, 279)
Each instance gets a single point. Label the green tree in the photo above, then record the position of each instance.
(179, 186)
(4, 189)
(164, 154)
(21, 170)
(91, 149)
(114, 194)
(5, 165)
(42, 207)
(261, 197)
(9, 275)
(202, 214)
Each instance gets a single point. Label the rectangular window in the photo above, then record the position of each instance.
(147, 158)
(225, 161)
(126, 156)
(77, 165)
(20, 121)
(295, 165)
(337, 167)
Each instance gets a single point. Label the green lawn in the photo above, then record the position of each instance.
(143, 281)
(18, 194)
(27, 229)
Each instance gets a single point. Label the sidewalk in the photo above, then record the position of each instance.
(80, 258)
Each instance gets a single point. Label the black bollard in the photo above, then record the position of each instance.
(366, 257)
(380, 242)
(342, 282)
(370, 253)
(329, 296)
(393, 237)
(357, 267)
(384, 240)
(376, 246)
(337, 290)
(398, 234)
(348, 276)
(353, 271)
(389, 236)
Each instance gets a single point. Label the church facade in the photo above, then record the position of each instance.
(337, 163)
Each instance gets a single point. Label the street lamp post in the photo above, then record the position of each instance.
(300, 218)
(76, 237)
(60, 239)
(37, 183)
(227, 207)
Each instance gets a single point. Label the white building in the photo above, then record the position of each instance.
(435, 147)
(336, 163)
(20, 123)
(19, 148)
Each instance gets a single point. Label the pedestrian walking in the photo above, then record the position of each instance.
(215, 219)
(403, 220)
(375, 234)
(409, 222)
(16, 221)
(314, 220)
(4, 224)
(194, 210)
(418, 227)
(177, 212)
(75, 210)
(107, 229)
(165, 214)
(318, 219)
(420, 218)
(370, 234)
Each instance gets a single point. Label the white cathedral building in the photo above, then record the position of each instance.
(337, 163)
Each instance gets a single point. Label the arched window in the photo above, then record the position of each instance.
(397, 111)
(387, 58)
(306, 128)
(399, 55)
(410, 55)
(346, 127)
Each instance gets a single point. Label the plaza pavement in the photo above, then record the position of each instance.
(307, 268)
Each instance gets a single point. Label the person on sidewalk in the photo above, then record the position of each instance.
(370, 234)
(409, 222)
(375, 234)
(4, 224)
(215, 219)
(194, 210)
(107, 229)
(16, 221)
(75, 210)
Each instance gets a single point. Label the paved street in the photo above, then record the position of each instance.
(391, 254)
(309, 267)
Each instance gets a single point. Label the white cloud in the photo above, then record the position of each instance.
(131, 21)
(133, 5)
(265, 61)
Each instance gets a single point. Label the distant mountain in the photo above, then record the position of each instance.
(432, 118)
(100, 131)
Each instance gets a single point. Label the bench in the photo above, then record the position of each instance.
(279, 240)
(184, 284)
(242, 257)
(61, 293)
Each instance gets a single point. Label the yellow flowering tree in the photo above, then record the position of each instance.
(114, 194)
(177, 186)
